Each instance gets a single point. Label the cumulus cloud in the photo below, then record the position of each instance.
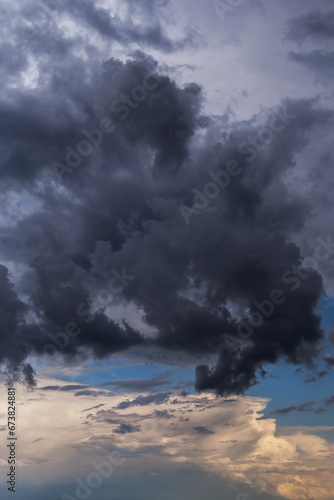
(293, 463)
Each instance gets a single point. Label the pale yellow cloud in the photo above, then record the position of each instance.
(61, 434)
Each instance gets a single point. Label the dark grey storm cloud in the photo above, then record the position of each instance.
(316, 24)
(119, 208)
(13, 328)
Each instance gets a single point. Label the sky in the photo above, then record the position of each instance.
(166, 249)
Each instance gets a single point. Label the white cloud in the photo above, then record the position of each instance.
(64, 434)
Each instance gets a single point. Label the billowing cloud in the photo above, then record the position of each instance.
(154, 142)
(167, 172)
(232, 443)
(144, 224)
